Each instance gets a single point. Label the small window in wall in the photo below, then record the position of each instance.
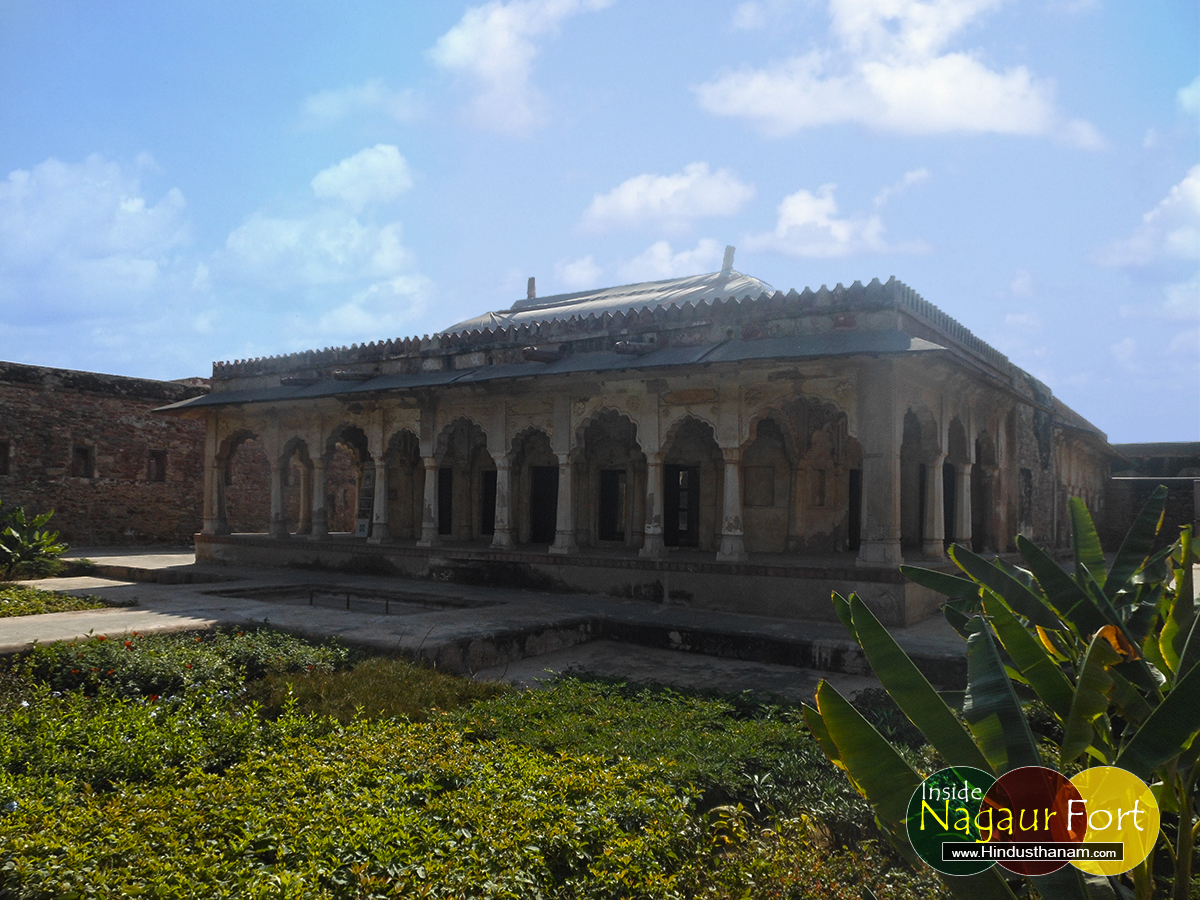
(5, 452)
(156, 465)
(817, 482)
(759, 484)
(83, 462)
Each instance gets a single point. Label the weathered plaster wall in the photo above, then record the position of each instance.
(56, 425)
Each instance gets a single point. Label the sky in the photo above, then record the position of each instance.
(207, 180)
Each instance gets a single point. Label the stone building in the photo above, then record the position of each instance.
(705, 440)
(1143, 467)
(88, 447)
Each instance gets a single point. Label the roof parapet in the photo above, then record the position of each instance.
(627, 324)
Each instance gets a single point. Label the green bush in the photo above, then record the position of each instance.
(20, 600)
(584, 790)
(26, 547)
(146, 665)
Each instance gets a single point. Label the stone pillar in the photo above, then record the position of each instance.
(219, 522)
(652, 546)
(278, 528)
(429, 514)
(320, 512)
(379, 515)
(933, 529)
(962, 505)
(305, 500)
(733, 548)
(564, 528)
(879, 434)
(503, 536)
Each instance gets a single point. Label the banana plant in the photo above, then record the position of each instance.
(1110, 651)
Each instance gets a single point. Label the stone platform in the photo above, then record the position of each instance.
(776, 586)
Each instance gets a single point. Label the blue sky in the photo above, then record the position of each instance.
(189, 181)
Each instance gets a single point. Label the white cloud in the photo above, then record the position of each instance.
(1169, 231)
(578, 274)
(1125, 350)
(749, 16)
(1021, 285)
(83, 240)
(670, 200)
(755, 15)
(1023, 321)
(377, 174)
(1165, 248)
(326, 108)
(337, 264)
(808, 225)
(1188, 97)
(494, 45)
(890, 69)
(659, 261)
(916, 176)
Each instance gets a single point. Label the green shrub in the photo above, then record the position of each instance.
(20, 600)
(584, 790)
(377, 687)
(146, 665)
(26, 547)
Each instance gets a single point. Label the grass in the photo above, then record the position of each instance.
(22, 600)
(256, 764)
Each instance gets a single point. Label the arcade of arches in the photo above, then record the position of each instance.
(629, 472)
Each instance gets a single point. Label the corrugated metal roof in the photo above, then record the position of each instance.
(803, 346)
(623, 298)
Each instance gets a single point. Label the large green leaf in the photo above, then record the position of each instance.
(987, 885)
(874, 765)
(1069, 883)
(1143, 615)
(1031, 659)
(1182, 612)
(1018, 596)
(1085, 541)
(1128, 700)
(1138, 543)
(1168, 730)
(913, 693)
(1073, 606)
(816, 725)
(957, 619)
(991, 706)
(841, 606)
(1091, 700)
(952, 586)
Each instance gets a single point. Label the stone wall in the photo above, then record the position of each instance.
(88, 446)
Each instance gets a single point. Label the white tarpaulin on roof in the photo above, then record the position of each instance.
(624, 298)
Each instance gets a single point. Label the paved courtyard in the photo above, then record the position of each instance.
(489, 633)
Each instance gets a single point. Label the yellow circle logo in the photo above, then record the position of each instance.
(1117, 807)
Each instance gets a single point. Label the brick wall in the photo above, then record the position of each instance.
(88, 446)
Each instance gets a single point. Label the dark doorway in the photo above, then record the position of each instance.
(612, 505)
(445, 500)
(681, 506)
(948, 524)
(487, 502)
(980, 502)
(922, 475)
(855, 509)
(543, 503)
